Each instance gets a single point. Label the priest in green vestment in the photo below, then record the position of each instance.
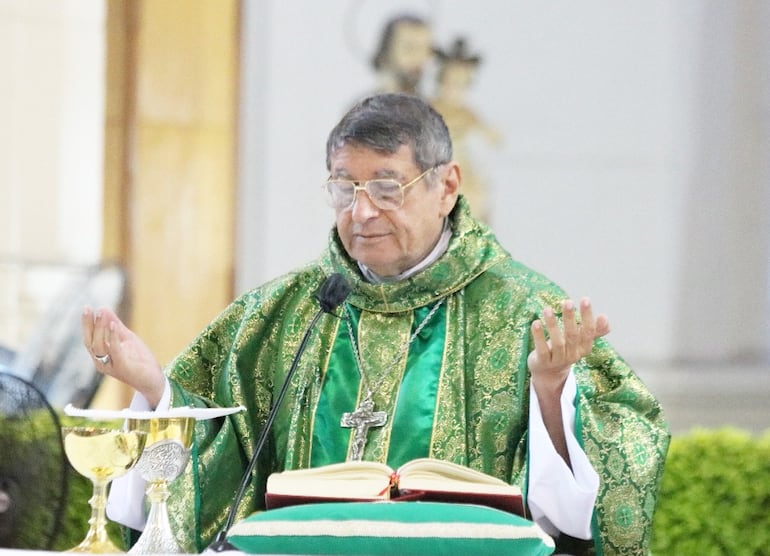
(446, 347)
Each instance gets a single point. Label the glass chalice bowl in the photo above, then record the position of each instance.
(101, 455)
(166, 453)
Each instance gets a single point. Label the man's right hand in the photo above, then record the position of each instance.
(130, 359)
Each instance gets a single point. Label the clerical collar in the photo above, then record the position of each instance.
(438, 250)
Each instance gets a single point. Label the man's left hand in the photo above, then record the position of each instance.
(552, 358)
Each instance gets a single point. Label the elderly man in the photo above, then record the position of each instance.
(471, 356)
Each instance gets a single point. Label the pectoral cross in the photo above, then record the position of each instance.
(362, 419)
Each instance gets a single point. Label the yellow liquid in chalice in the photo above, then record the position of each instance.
(101, 454)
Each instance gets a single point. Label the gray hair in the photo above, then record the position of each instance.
(385, 122)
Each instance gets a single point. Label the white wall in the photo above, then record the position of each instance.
(51, 152)
(51, 136)
(723, 278)
(607, 110)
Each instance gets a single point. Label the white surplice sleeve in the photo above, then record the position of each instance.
(125, 504)
(560, 499)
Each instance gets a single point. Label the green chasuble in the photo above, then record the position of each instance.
(460, 392)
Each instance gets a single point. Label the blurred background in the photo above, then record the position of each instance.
(164, 156)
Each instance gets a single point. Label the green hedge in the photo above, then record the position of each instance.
(32, 470)
(715, 495)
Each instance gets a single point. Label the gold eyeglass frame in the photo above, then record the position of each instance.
(362, 186)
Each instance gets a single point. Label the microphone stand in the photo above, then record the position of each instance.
(329, 299)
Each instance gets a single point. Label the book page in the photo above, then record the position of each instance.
(350, 480)
(432, 474)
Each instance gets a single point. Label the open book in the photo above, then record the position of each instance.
(419, 479)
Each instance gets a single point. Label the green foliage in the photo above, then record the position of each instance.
(715, 495)
(31, 467)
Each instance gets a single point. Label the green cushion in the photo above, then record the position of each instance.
(387, 528)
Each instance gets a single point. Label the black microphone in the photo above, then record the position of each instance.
(330, 295)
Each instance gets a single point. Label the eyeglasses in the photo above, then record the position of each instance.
(385, 194)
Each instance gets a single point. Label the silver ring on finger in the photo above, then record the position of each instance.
(103, 359)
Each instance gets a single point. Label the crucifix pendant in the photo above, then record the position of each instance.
(362, 419)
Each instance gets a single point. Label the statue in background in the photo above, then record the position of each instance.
(457, 68)
(406, 46)
(403, 56)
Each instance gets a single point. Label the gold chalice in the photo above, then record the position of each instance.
(165, 456)
(100, 454)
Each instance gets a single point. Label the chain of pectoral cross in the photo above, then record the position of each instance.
(364, 417)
